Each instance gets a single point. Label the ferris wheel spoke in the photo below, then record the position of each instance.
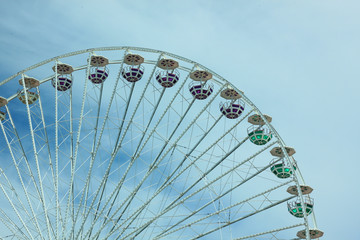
(137, 151)
(244, 217)
(63, 111)
(118, 143)
(16, 211)
(159, 154)
(15, 193)
(42, 197)
(166, 231)
(11, 225)
(158, 160)
(176, 202)
(133, 159)
(270, 232)
(139, 210)
(72, 160)
(116, 149)
(81, 118)
(82, 205)
(155, 163)
(187, 155)
(144, 132)
(23, 155)
(9, 184)
(53, 172)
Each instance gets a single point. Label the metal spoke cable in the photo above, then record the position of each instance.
(166, 183)
(16, 211)
(242, 218)
(175, 203)
(92, 153)
(81, 117)
(6, 220)
(116, 144)
(86, 186)
(152, 166)
(57, 155)
(42, 197)
(17, 167)
(271, 231)
(166, 231)
(10, 185)
(132, 158)
(158, 160)
(138, 212)
(71, 159)
(149, 172)
(117, 148)
(13, 190)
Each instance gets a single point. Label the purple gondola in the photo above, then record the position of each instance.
(98, 75)
(133, 73)
(64, 83)
(167, 79)
(232, 110)
(201, 91)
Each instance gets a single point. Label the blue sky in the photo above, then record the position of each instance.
(296, 60)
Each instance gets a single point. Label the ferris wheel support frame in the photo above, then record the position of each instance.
(296, 177)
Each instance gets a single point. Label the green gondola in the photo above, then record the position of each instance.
(296, 209)
(281, 170)
(260, 136)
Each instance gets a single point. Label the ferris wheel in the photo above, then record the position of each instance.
(135, 143)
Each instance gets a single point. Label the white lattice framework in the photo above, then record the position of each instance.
(125, 160)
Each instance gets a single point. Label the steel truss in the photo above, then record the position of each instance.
(125, 160)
